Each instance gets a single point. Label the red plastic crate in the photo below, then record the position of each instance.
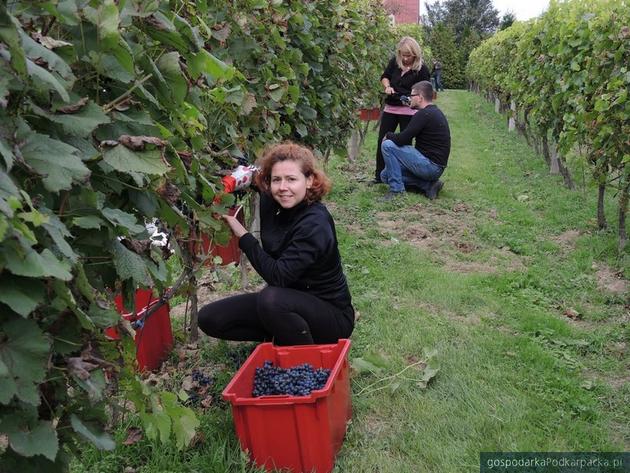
(369, 114)
(230, 253)
(154, 340)
(300, 433)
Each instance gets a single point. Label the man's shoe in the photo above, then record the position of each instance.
(390, 195)
(374, 182)
(435, 189)
(413, 188)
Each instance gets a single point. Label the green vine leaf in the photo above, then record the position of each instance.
(94, 385)
(58, 232)
(122, 159)
(103, 317)
(37, 265)
(22, 295)
(185, 423)
(159, 27)
(37, 52)
(29, 441)
(56, 161)
(10, 36)
(168, 64)
(89, 222)
(129, 265)
(99, 439)
(81, 123)
(106, 20)
(205, 63)
(24, 351)
(7, 154)
(44, 80)
(123, 219)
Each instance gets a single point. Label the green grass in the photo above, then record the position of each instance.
(483, 275)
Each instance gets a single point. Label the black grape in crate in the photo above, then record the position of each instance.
(299, 380)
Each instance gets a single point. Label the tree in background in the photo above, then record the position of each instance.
(443, 48)
(507, 20)
(467, 22)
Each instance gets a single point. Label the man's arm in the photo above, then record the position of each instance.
(414, 128)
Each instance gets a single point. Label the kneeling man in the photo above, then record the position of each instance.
(418, 167)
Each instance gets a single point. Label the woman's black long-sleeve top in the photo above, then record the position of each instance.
(402, 83)
(299, 250)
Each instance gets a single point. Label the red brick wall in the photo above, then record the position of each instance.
(405, 11)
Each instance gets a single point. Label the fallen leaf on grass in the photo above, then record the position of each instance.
(359, 365)
(429, 368)
(588, 385)
(572, 314)
(134, 435)
(188, 383)
(198, 439)
(207, 401)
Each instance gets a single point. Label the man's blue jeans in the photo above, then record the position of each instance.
(406, 166)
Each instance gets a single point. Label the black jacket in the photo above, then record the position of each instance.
(299, 250)
(402, 83)
(430, 129)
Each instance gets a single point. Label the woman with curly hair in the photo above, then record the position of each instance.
(306, 299)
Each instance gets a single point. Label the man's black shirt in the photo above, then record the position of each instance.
(430, 129)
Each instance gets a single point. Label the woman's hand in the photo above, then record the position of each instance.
(389, 90)
(236, 227)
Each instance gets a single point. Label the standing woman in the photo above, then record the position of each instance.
(307, 299)
(402, 72)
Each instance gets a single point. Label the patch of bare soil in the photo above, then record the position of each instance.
(344, 218)
(449, 235)
(614, 381)
(376, 426)
(470, 267)
(611, 281)
(567, 239)
(207, 292)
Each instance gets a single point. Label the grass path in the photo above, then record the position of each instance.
(485, 275)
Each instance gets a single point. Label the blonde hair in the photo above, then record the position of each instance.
(409, 45)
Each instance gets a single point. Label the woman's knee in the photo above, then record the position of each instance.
(212, 318)
(206, 320)
(268, 300)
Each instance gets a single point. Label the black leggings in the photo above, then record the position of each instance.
(389, 122)
(286, 316)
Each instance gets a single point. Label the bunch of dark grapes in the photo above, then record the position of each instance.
(299, 380)
(201, 378)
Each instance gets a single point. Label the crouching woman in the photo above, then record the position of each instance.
(306, 299)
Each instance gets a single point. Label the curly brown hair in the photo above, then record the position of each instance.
(289, 151)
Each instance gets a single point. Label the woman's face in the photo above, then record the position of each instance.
(289, 184)
(407, 57)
